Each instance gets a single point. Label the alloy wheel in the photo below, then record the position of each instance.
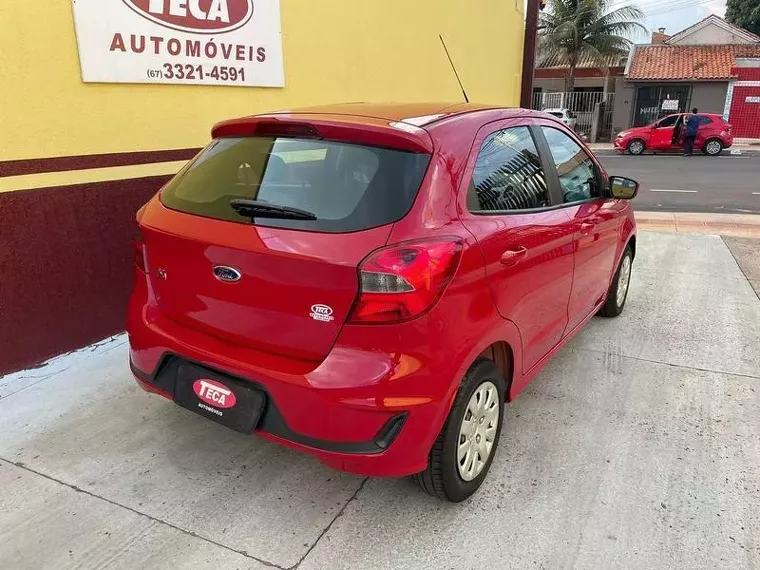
(636, 147)
(713, 147)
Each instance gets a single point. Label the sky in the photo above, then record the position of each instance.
(675, 15)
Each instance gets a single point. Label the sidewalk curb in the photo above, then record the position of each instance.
(735, 225)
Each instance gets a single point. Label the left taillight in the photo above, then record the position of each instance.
(402, 281)
(138, 252)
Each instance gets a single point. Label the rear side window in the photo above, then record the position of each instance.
(347, 187)
(704, 120)
(508, 174)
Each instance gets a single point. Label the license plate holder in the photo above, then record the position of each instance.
(210, 394)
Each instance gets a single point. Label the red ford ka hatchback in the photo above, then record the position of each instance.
(372, 283)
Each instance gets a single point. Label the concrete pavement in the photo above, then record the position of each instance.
(747, 255)
(636, 448)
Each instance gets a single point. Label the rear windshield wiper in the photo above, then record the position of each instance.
(258, 209)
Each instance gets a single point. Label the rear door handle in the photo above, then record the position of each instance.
(513, 256)
(587, 228)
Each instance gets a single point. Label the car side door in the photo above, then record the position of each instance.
(662, 133)
(707, 128)
(507, 204)
(596, 220)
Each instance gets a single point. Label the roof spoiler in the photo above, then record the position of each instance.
(398, 136)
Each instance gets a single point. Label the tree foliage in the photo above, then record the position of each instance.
(745, 14)
(574, 29)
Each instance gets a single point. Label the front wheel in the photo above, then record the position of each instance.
(636, 147)
(462, 454)
(713, 147)
(618, 292)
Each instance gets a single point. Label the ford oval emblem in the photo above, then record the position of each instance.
(227, 274)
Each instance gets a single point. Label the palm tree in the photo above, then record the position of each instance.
(575, 29)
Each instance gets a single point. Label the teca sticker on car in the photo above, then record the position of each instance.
(196, 16)
(322, 313)
(214, 393)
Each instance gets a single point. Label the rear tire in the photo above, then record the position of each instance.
(447, 477)
(636, 147)
(618, 292)
(713, 147)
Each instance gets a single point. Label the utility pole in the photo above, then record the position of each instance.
(529, 52)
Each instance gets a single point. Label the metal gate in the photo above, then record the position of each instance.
(582, 105)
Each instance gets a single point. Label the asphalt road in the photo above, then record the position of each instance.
(671, 183)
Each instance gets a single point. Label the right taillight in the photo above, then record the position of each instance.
(138, 252)
(402, 281)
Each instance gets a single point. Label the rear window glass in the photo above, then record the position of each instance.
(347, 187)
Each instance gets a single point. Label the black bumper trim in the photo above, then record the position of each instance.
(272, 421)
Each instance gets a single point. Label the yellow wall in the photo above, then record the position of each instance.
(335, 50)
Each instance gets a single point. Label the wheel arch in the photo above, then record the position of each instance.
(503, 345)
(502, 355)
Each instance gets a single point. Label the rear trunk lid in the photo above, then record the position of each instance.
(259, 287)
(284, 286)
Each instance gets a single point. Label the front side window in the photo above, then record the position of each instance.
(508, 174)
(668, 121)
(577, 172)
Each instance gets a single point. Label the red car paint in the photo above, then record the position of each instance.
(661, 136)
(521, 284)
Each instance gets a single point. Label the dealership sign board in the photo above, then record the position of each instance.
(190, 42)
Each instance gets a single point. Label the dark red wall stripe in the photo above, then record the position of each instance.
(65, 266)
(65, 163)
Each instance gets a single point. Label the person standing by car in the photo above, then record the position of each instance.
(692, 127)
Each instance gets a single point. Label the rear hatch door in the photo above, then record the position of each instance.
(281, 284)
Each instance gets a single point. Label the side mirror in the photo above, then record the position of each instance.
(623, 188)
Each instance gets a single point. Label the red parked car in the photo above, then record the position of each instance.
(667, 135)
(372, 283)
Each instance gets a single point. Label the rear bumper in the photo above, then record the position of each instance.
(162, 382)
(366, 408)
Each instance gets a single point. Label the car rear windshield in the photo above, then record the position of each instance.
(348, 187)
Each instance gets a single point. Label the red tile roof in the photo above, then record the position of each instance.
(693, 62)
